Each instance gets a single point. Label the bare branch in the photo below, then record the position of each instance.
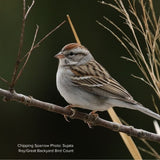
(41, 40)
(29, 53)
(47, 35)
(4, 80)
(20, 47)
(22, 31)
(16, 74)
(92, 120)
(29, 8)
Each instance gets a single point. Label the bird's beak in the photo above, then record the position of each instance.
(59, 55)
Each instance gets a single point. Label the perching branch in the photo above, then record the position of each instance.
(74, 114)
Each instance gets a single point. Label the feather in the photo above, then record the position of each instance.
(96, 80)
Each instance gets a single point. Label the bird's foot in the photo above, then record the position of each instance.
(92, 115)
(70, 108)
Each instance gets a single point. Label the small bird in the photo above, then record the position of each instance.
(84, 83)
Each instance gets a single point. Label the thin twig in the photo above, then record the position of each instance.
(146, 151)
(155, 105)
(116, 36)
(142, 79)
(17, 74)
(20, 47)
(35, 46)
(155, 154)
(41, 40)
(22, 31)
(74, 114)
(29, 8)
(48, 34)
(153, 12)
(128, 59)
(4, 80)
(156, 126)
(29, 53)
(153, 151)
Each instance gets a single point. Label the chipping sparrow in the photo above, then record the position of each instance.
(84, 83)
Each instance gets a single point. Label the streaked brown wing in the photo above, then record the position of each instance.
(98, 81)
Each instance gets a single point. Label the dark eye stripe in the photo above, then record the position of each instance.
(70, 54)
(73, 53)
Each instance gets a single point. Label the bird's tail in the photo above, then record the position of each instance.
(146, 111)
(135, 106)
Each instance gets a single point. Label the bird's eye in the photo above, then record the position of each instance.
(71, 54)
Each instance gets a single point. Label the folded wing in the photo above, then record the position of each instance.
(96, 80)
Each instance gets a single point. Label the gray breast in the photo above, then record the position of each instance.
(76, 95)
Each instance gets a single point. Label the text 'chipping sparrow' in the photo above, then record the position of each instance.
(84, 83)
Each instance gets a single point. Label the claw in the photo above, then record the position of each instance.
(95, 115)
(65, 116)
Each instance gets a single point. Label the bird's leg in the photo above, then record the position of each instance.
(70, 108)
(94, 115)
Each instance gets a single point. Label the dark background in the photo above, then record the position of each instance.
(20, 124)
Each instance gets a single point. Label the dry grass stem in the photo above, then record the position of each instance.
(127, 139)
(156, 126)
(73, 29)
(144, 53)
(146, 151)
(155, 105)
(147, 57)
(152, 151)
